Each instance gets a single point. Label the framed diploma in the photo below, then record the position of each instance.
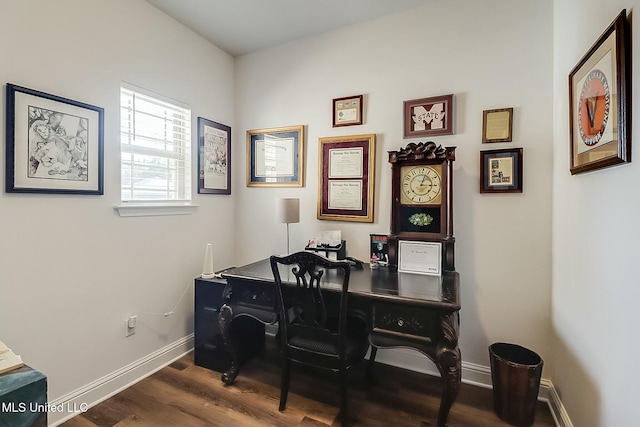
(275, 157)
(347, 175)
(214, 157)
(497, 125)
(600, 102)
(347, 111)
(420, 257)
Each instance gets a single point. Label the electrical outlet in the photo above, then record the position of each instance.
(131, 323)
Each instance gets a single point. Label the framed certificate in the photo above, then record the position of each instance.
(347, 111)
(420, 257)
(346, 169)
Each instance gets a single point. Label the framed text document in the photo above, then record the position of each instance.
(420, 257)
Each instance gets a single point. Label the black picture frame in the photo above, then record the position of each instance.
(214, 157)
(53, 144)
(501, 171)
(600, 102)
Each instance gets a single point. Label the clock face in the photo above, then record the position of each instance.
(421, 185)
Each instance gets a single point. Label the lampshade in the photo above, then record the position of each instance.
(288, 211)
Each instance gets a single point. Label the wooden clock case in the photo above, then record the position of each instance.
(423, 153)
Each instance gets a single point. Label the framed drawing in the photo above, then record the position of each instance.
(214, 157)
(347, 177)
(497, 125)
(54, 144)
(275, 157)
(600, 102)
(501, 171)
(428, 116)
(347, 111)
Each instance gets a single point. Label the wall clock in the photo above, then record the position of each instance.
(421, 199)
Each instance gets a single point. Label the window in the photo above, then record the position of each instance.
(155, 146)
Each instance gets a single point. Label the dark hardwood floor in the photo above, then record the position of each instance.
(183, 394)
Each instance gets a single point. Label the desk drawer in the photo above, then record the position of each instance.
(253, 294)
(411, 322)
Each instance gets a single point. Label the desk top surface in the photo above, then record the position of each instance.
(435, 291)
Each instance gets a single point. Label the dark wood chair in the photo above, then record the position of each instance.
(313, 332)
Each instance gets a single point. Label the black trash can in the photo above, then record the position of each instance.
(515, 373)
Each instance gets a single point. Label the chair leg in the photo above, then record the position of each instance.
(372, 358)
(284, 385)
(343, 397)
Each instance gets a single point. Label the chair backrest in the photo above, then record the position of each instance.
(305, 313)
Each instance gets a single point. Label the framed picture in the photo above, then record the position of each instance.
(428, 116)
(501, 171)
(275, 157)
(379, 250)
(54, 144)
(347, 177)
(420, 257)
(497, 125)
(214, 157)
(600, 102)
(347, 111)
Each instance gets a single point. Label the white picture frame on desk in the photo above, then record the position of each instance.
(420, 257)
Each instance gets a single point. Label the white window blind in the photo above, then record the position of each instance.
(155, 145)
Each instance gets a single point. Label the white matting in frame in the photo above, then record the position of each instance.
(420, 257)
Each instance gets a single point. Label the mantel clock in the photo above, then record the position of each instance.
(422, 198)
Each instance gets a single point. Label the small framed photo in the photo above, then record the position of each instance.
(428, 116)
(501, 171)
(54, 144)
(420, 257)
(346, 178)
(347, 111)
(214, 157)
(275, 157)
(379, 250)
(497, 125)
(600, 102)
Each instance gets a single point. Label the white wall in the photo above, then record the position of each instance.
(489, 54)
(71, 269)
(595, 255)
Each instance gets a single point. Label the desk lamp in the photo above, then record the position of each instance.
(288, 212)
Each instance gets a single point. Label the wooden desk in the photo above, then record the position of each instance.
(402, 310)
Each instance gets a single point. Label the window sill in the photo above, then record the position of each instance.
(155, 209)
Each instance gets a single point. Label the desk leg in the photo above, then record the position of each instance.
(224, 320)
(448, 361)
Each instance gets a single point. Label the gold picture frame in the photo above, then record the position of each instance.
(497, 125)
(346, 179)
(275, 157)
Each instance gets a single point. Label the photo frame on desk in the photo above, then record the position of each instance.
(214, 157)
(420, 257)
(275, 157)
(347, 176)
(53, 144)
(600, 102)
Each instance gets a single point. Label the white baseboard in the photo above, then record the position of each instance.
(103, 388)
(474, 374)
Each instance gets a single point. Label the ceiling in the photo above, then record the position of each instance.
(243, 26)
